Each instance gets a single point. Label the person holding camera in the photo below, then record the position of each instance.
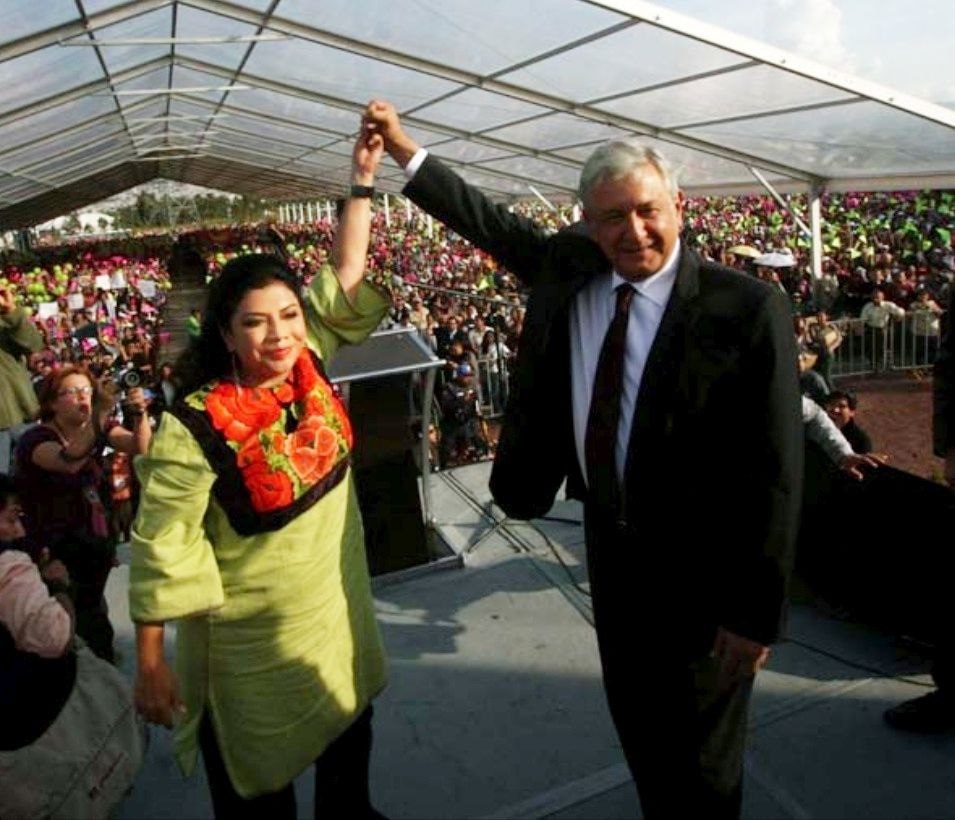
(61, 470)
(462, 427)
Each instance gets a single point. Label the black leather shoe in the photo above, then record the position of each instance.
(931, 713)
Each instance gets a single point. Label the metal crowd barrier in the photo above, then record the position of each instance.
(910, 343)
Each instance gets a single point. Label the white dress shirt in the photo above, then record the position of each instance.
(822, 430)
(590, 316)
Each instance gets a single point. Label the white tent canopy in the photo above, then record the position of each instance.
(262, 97)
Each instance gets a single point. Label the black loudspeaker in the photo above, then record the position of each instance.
(386, 475)
(879, 546)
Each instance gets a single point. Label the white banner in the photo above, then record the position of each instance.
(75, 301)
(103, 282)
(147, 287)
(45, 310)
(118, 280)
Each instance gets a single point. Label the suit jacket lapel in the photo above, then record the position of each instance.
(653, 413)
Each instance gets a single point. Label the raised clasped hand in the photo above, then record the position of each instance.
(380, 117)
(366, 155)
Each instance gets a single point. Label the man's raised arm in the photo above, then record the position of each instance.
(516, 242)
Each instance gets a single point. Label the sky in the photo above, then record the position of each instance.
(904, 44)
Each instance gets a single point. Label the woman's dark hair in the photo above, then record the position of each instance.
(207, 357)
(488, 340)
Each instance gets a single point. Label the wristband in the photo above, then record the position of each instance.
(362, 191)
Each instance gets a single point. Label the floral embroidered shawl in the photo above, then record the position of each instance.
(277, 450)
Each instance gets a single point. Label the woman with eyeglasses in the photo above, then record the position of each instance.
(61, 471)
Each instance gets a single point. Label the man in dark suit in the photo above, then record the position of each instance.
(691, 514)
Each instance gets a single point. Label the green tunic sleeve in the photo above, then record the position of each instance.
(173, 572)
(18, 335)
(334, 320)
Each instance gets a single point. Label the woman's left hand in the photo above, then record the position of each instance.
(366, 156)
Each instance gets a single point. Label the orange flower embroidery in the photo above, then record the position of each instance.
(238, 413)
(270, 489)
(304, 375)
(312, 449)
(284, 393)
(250, 452)
(279, 466)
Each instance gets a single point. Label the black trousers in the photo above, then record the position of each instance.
(89, 561)
(684, 737)
(341, 779)
(682, 733)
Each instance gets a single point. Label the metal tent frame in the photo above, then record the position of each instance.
(260, 98)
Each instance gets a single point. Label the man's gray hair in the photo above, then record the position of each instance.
(621, 158)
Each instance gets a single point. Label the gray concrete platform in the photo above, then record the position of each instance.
(495, 707)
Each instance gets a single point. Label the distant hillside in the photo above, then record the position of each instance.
(158, 188)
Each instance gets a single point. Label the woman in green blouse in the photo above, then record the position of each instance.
(249, 536)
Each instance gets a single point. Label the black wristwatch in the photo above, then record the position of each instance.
(362, 191)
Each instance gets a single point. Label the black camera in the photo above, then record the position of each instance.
(133, 377)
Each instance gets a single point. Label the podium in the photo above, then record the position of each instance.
(388, 384)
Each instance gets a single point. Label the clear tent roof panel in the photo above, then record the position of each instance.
(513, 94)
(153, 24)
(555, 131)
(24, 17)
(192, 22)
(501, 185)
(255, 5)
(264, 129)
(611, 69)
(153, 80)
(188, 78)
(71, 160)
(44, 73)
(483, 37)
(296, 108)
(14, 188)
(464, 151)
(865, 139)
(563, 176)
(736, 94)
(31, 154)
(474, 110)
(342, 75)
(28, 129)
(68, 174)
(96, 6)
(267, 147)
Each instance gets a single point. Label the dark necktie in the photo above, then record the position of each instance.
(600, 440)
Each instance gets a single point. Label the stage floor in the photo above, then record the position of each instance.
(495, 707)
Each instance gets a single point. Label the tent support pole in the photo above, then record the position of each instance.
(781, 200)
(815, 220)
